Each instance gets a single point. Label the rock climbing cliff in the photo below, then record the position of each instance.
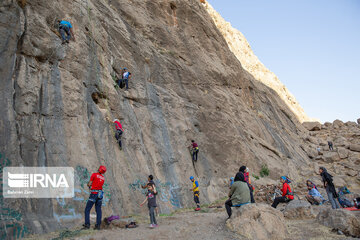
(58, 102)
(241, 48)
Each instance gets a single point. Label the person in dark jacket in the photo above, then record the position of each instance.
(329, 186)
(246, 176)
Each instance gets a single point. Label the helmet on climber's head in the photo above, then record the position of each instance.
(191, 178)
(116, 120)
(102, 169)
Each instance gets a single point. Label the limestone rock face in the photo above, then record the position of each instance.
(258, 221)
(241, 48)
(58, 101)
(299, 209)
(346, 221)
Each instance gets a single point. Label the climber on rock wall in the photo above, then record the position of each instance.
(126, 77)
(196, 192)
(96, 196)
(65, 27)
(119, 131)
(195, 150)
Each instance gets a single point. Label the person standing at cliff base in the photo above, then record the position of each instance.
(96, 196)
(330, 187)
(151, 199)
(65, 27)
(196, 192)
(287, 194)
(119, 131)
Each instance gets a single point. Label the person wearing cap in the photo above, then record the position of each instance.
(119, 131)
(287, 194)
(196, 192)
(96, 196)
(126, 77)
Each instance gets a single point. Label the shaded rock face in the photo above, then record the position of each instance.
(346, 221)
(312, 126)
(58, 102)
(299, 209)
(258, 221)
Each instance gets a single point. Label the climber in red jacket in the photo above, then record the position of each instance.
(119, 131)
(287, 194)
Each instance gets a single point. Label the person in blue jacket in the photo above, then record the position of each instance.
(65, 27)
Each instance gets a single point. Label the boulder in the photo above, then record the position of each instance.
(338, 123)
(341, 142)
(355, 147)
(299, 209)
(343, 153)
(346, 221)
(331, 157)
(258, 221)
(350, 124)
(312, 126)
(358, 120)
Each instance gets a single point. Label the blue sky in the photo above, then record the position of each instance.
(313, 46)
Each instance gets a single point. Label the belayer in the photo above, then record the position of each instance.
(196, 192)
(96, 196)
(65, 27)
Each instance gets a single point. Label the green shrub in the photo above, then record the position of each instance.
(256, 177)
(264, 171)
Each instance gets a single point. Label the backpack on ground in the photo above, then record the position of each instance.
(344, 202)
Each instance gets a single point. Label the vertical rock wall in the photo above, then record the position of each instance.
(57, 101)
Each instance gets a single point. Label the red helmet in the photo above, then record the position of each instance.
(102, 169)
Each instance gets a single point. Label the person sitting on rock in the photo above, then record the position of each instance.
(239, 193)
(287, 194)
(119, 131)
(196, 191)
(330, 187)
(314, 197)
(65, 27)
(247, 179)
(195, 150)
(330, 145)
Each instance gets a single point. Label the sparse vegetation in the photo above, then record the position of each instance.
(256, 177)
(264, 171)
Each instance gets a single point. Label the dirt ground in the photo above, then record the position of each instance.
(207, 224)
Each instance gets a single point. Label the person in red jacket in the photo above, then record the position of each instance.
(287, 194)
(96, 196)
(119, 131)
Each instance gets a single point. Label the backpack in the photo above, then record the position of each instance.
(345, 202)
(343, 190)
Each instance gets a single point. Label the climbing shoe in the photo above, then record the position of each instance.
(86, 226)
(97, 227)
(197, 209)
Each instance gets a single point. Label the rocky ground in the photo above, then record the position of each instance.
(207, 224)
